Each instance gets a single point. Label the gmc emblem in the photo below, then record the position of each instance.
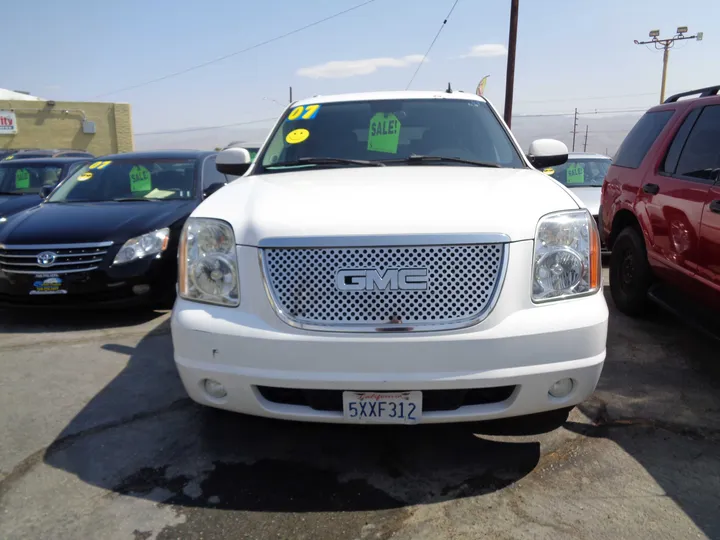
(403, 279)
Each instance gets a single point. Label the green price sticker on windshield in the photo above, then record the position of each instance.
(22, 179)
(140, 179)
(575, 174)
(384, 133)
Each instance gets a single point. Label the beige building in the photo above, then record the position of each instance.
(31, 122)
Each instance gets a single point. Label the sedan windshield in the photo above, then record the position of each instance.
(19, 179)
(393, 132)
(129, 179)
(580, 172)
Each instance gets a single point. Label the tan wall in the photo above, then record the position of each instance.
(60, 126)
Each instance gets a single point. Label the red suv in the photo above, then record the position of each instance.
(660, 211)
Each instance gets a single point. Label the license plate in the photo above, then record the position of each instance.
(47, 284)
(382, 407)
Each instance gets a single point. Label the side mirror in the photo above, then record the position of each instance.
(212, 188)
(45, 191)
(547, 153)
(233, 161)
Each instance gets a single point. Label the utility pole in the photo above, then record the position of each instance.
(586, 133)
(665, 45)
(510, 76)
(291, 94)
(574, 129)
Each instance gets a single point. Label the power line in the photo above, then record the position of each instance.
(665, 45)
(273, 118)
(431, 44)
(588, 98)
(580, 113)
(230, 55)
(206, 128)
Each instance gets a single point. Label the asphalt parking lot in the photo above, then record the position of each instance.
(98, 440)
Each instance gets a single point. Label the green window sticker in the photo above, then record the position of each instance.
(22, 179)
(384, 133)
(140, 179)
(575, 174)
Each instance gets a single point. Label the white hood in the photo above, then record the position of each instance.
(590, 197)
(393, 200)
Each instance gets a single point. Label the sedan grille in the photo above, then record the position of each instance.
(362, 288)
(55, 259)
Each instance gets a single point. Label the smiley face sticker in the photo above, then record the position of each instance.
(297, 136)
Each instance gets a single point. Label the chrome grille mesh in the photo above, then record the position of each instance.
(462, 282)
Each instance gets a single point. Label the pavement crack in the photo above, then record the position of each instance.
(693, 432)
(22, 468)
(64, 442)
(85, 339)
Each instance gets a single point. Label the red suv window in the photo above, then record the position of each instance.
(641, 137)
(695, 152)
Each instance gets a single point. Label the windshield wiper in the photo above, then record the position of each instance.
(419, 160)
(131, 199)
(327, 161)
(15, 193)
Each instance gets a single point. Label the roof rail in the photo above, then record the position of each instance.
(704, 92)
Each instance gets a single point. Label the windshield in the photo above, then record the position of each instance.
(388, 130)
(140, 179)
(19, 179)
(579, 172)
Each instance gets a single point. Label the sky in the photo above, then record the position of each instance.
(567, 56)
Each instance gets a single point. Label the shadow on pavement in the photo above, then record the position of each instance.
(39, 321)
(659, 400)
(141, 436)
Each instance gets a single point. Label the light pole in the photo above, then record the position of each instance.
(510, 76)
(665, 45)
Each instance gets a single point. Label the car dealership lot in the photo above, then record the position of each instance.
(100, 441)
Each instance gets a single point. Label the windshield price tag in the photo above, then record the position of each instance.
(100, 165)
(22, 179)
(308, 112)
(384, 133)
(140, 179)
(575, 174)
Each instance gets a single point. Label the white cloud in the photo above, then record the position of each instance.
(486, 50)
(339, 69)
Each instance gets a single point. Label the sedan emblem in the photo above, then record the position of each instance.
(46, 258)
(404, 279)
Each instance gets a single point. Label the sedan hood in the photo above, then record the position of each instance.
(393, 200)
(590, 197)
(12, 204)
(68, 223)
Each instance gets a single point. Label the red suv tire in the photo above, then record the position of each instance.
(630, 274)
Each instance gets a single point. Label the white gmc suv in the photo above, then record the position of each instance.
(392, 258)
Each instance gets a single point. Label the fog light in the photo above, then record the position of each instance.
(214, 389)
(141, 289)
(561, 388)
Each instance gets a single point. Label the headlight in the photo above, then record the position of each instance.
(140, 247)
(567, 256)
(208, 270)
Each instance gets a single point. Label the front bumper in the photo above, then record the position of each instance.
(520, 345)
(109, 287)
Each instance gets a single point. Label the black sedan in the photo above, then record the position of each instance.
(108, 234)
(25, 182)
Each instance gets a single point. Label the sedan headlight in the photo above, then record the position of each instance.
(143, 246)
(567, 256)
(208, 269)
